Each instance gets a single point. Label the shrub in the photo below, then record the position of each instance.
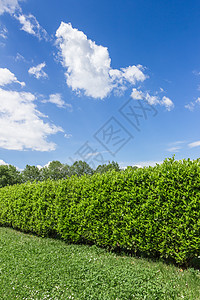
(154, 210)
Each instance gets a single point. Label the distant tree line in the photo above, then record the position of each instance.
(9, 175)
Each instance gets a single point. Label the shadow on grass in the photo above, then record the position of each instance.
(193, 263)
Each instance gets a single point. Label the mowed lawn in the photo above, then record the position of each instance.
(42, 268)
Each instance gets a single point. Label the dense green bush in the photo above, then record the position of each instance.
(154, 210)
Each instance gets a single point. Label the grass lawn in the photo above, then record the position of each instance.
(43, 268)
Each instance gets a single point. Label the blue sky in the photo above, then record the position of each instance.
(99, 81)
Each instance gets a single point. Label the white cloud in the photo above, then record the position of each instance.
(138, 95)
(3, 32)
(58, 101)
(190, 106)
(93, 154)
(2, 162)
(7, 77)
(140, 164)
(193, 104)
(152, 100)
(198, 100)
(31, 25)
(176, 146)
(68, 135)
(133, 74)
(19, 57)
(167, 103)
(26, 24)
(89, 65)
(40, 167)
(174, 149)
(178, 142)
(29, 22)
(8, 6)
(194, 144)
(37, 71)
(21, 126)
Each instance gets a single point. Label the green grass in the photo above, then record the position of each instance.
(44, 268)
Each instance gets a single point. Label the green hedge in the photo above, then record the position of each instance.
(154, 210)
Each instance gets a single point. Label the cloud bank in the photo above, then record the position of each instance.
(24, 126)
(89, 65)
(21, 124)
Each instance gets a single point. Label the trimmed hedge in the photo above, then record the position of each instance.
(154, 210)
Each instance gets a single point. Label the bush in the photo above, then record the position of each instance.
(154, 210)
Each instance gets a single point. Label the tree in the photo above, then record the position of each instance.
(80, 168)
(107, 167)
(55, 171)
(31, 173)
(9, 175)
(132, 167)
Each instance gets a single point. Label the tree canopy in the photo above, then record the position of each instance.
(9, 175)
(55, 170)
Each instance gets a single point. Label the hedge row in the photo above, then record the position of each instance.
(154, 210)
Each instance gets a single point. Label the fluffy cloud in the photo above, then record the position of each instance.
(7, 77)
(8, 6)
(133, 74)
(21, 124)
(31, 25)
(89, 65)
(167, 103)
(37, 71)
(152, 100)
(137, 95)
(58, 101)
(194, 144)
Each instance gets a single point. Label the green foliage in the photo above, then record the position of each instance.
(80, 168)
(31, 173)
(108, 167)
(154, 211)
(9, 175)
(55, 171)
